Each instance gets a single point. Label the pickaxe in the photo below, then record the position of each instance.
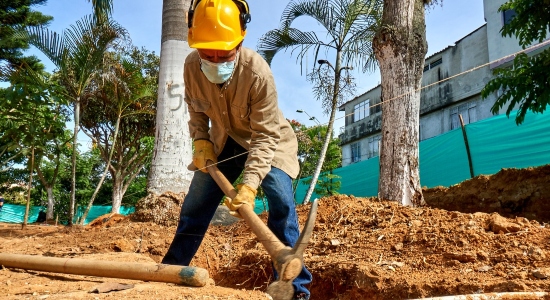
(287, 261)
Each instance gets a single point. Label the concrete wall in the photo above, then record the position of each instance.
(499, 46)
(452, 81)
(457, 80)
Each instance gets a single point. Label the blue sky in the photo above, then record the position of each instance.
(445, 24)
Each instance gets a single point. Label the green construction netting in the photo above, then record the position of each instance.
(499, 143)
(16, 213)
(495, 143)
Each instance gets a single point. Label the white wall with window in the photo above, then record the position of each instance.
(361, 110)
(499, 46)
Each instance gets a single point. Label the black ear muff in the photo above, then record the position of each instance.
(190, 18)
(245, 18)
(245, 13)
(191, 11)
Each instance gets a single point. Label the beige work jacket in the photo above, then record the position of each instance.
(245, 108)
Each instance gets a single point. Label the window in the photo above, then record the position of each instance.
(468, 112)
(507, 16)
(433, 64)
(361, 110)
(436, 63)
(374, 146)
(355, 152)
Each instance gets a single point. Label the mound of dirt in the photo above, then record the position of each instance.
(108, 220)
(510, 192)
(361, 248)
(162, 209)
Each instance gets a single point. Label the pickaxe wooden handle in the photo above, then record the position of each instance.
(287, 261)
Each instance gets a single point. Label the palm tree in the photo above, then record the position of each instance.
(172, 141)
(400, 47)
(350, 27)
(102, 9)
(76, 53)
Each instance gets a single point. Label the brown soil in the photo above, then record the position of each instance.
(362, 248)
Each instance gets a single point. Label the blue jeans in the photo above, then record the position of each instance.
(205, 195)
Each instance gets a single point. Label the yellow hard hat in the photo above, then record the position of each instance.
(217, 24)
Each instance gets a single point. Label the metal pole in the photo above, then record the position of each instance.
(467, 146)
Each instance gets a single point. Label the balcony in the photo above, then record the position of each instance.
(361, 129)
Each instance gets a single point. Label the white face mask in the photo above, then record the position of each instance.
(218, 73)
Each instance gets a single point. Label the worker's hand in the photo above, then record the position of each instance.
(245, 195)
(204, 151)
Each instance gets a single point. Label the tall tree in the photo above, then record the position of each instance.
(36, 118)
(173, 147)
(527, 82)
(118, 114)
(15, 15)
(77, 53)
(400, 47)
(350, 27)
(48, 169)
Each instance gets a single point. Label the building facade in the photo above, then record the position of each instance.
(451, 88)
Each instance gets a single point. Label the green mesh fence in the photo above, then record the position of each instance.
(16, 213)
(495, 143)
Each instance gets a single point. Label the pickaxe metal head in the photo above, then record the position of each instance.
(288, 261)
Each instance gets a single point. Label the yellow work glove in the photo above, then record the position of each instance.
(245, 195)
(204, 151)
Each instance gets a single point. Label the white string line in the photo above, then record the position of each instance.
(504, 58)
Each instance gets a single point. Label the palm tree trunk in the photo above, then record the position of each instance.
(400, 48)
(337, 69)
(326, 142)
(173, 146)
(73, 169)
(29, 189)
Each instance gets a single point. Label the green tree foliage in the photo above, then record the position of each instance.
(310, 142)
(33, 114)
(15, 15)
(35, 121)
(77, 53)
(119, 114)
(527, 82)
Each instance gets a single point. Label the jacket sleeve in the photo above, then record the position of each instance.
(265, 128)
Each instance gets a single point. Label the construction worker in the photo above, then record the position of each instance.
(235, 122)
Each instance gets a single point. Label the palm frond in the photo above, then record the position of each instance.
(87, 42)
(48, 42)
(350, 27)
(277, 39)
(320, 10)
